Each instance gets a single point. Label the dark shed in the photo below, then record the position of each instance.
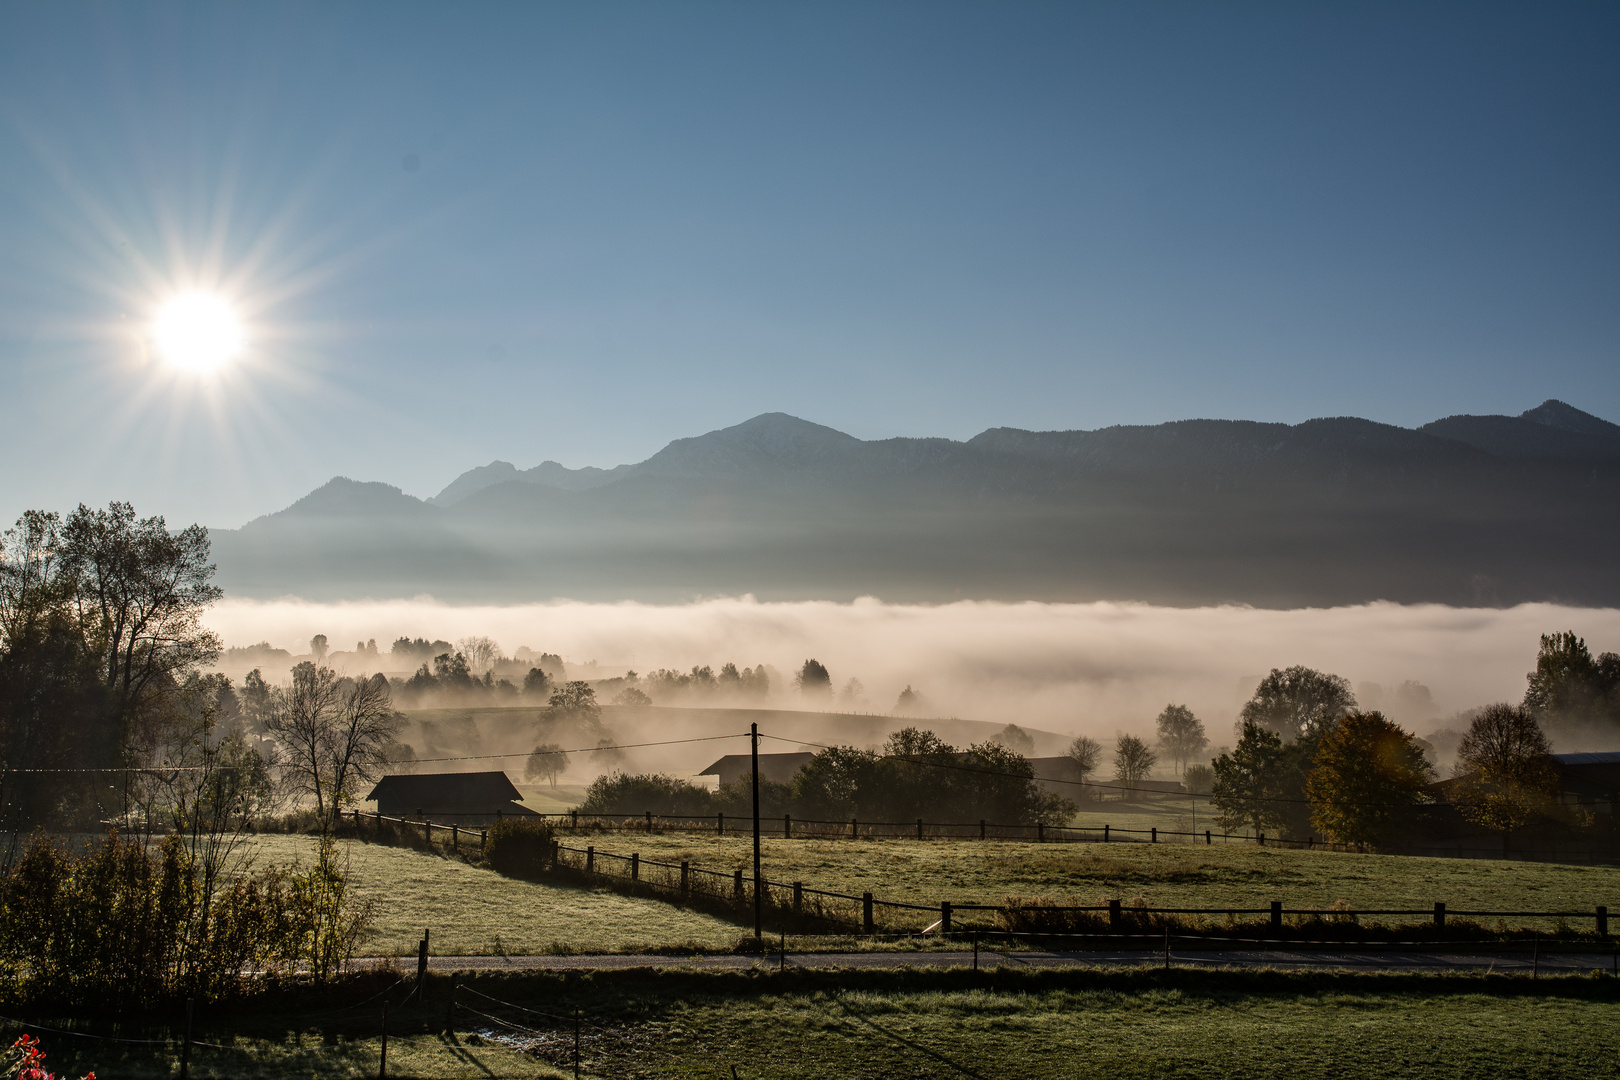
(464, 798)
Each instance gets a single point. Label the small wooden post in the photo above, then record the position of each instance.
(421, 965)
(185, 1047)
(1602, 921)
(787, 826)
(919, 828)
(854, 829)
(1114, 915)
(981, 828)
(720, 827)
(635, 866)
(1439, 915)
(736, 886)
(1040, 832)
(866, 912)
(483, 835)
(649, 821)
(1262, 839)
(944, 918)
(573, 820)
(1276, 916)
(382, 1063)
(1155, 832)
(1105, 832)
(798, 897)
(1208, 840)
(590, 858)
(455, 837)
(685, 871)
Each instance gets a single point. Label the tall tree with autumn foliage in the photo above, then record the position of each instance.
(1366, 780)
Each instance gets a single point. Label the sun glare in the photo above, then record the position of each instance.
(197, 331)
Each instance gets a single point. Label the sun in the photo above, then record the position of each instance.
(198, 332)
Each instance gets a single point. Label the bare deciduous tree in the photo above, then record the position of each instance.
(336, 733)
(1133, 761)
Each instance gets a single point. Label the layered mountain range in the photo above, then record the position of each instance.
(1465, 510)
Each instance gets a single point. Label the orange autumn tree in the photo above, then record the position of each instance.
(1367, 778)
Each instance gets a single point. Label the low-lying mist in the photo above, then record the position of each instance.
(1069, 668)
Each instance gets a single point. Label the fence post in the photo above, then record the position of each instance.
(854, 829)
(1262, 839)
(685, 870)
(1105, 832)
(649, 821)
(787, 826)
(483, 835)
(382, 1063)
(1439, 915)
(1276, 916)
(736, 886)
(1602, 921)
(1114, 917)
(720, 826)
(944, 918)
(798, 897)
(635, 866)
(590, 858)
(981, 829)
(1040, 832)
(574, 824)
(1155, 831)
(455, 837)
(866, 912)
(1208, 839)
(357, 823)
(919, 828)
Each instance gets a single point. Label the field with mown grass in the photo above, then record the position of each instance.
(1164, 875)
(921, 1023)
(474, 911)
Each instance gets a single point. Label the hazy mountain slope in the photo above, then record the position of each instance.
(1330, 511)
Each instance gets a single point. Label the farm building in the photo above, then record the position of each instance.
(1589, 781)
(464, 798)
(1061, 776)
(778, 768)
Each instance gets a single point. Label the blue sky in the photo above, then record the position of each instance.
(528, 231)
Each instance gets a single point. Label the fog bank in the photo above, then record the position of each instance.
(1068, 668)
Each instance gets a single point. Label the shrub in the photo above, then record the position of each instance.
(518, 847)
(622, 793)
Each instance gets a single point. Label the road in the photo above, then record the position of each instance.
(1520, 960)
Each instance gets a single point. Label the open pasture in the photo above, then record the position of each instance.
(1163, 875)
(474, 911)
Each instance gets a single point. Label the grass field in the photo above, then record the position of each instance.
(925, 1024)
(1165, 875)
(473, 911)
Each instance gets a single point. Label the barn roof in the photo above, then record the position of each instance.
(733, 762)
(1610, 757)
(439, 788)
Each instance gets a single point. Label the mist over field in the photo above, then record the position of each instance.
(1068, 668)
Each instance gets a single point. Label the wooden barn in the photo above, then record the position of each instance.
(462, 798)
(779, 768)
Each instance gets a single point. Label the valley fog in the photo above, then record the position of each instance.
(1095, 668)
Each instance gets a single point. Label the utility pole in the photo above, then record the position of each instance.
(759, 892)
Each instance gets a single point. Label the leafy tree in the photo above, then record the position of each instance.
(1015, 738)
(1251, 782)
(1299, 704)
(1181, 734)
(1133, 761)
(607, 754)
(451, 672)
(619, 793)
(318, 648)
(907, 703)
(1569, 685)
(997, 783)
(1507, 775)
(1198, 779)
(837, 783)
(813, 679)
(535, 684)
(631, 695)
(546, 762)
(1367, 778)
(573, 703)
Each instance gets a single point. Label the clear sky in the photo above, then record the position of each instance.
(460, 232)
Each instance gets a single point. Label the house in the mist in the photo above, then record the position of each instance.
(464, 798)
(777, 768)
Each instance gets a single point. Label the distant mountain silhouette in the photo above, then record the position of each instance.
(1469, 509)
